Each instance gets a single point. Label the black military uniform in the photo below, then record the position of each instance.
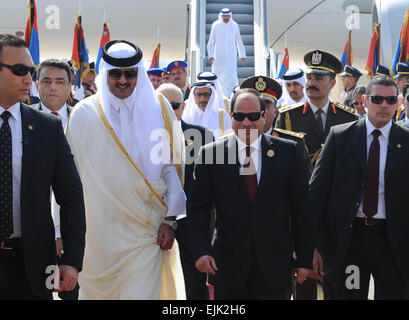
(300, 117)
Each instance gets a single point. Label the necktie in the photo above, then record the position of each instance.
(55, 113)
(250, 175)
(6, 179)
(319, 119)
(370, 205)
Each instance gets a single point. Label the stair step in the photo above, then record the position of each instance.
(235, 8)
(229, 2)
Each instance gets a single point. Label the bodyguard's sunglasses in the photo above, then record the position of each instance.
(19, 69)
(116, 74)
(252, 116)
(380, 99)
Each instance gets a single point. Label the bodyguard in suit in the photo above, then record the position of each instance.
(54, 87)
(259, 186)
(195, 137)
(34, 157)
(359, 188)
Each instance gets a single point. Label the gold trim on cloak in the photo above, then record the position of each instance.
(118, 142)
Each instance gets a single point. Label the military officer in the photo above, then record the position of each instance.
(316, 116)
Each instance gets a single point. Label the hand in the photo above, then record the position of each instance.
(58, 244)
(206, 264)
(301, 274)
(211, 60)
(243, 60)
(166, 236)
(68, 278)
(318, 266)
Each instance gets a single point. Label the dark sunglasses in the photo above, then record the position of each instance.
(407, 98)
(116, 74)
(356, 103)
(19, 69)
(175, 105)
(252, 116)
(380, 99)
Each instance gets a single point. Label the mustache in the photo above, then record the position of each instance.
(312, 88)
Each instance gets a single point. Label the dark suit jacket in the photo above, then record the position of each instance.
(337, 185)
(276, 225)
(195, 137)
(47, 162)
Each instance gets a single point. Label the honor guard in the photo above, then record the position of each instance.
(401, 78)
(87, 88)
(350, 77)
(155, 76)
(179, 76)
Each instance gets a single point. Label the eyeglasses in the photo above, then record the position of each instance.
(356, 103)
(19, 69)
(407, 98)
(380, 99)
(175, 105)
(116, 74)
(252, 116)
(204, 95)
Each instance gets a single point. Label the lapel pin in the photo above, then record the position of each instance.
(30, 127)
(270, 153)
(189, 142)
(399, 146)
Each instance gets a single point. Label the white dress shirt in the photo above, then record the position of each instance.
(323, 114)
(383, 150)
(255, 154)
(17, 150)
(406, 122)
(62, 113)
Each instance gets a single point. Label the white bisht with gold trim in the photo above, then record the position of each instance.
(124, 210)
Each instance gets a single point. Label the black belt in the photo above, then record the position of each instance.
(10, 244)
(370, 222)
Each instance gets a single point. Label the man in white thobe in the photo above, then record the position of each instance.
(202, 109)
(221, 48)
(132, 182)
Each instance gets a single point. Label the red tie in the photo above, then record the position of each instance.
(370, 205)
(250, 175)
(55, 113)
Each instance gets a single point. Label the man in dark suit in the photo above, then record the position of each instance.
(359, 189)
(195, 137)
(259, 186)
(34, 157)
(54, 87)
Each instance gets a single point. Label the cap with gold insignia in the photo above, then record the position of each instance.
(177, 64)
(322, 62)
(268, 87)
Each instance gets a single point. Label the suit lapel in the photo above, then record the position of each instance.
(28, 127)
(394, 148)
(359, 144)
(331, 120)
